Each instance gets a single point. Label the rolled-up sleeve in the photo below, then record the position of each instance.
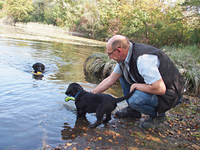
(117, 69)
(148, 68)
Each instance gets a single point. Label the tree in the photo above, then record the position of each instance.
(18, 10)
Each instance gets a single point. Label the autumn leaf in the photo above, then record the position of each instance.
(69, 144)
(87, 148)
(137, 141)
(99, 138)
(73, 136)
(74, 148)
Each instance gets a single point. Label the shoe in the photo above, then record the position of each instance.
(128, 111)
(153, 122)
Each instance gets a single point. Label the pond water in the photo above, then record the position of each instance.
(33, 112)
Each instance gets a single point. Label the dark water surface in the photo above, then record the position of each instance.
(33, 112)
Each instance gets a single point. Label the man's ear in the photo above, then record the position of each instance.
(120, 52)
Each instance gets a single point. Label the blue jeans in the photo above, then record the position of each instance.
(140, 101)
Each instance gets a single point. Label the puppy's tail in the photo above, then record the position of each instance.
(125, 97)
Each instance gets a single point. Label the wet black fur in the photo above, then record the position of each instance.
(100, 104)
(38, 67)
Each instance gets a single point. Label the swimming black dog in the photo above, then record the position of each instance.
(87, 102)
(38, 67)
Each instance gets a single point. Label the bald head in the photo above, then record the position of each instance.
(118, 41)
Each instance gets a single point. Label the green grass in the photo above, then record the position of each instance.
(187, 60)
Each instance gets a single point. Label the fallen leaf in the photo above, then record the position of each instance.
(73, 136)
(137, 141)
(178, 131)
(148, 138)
(99, 138)
(110, 140)
(69, 144)
(165, 141)
(188, 129)
(161, 134)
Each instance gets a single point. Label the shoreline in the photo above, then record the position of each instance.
(45, 33)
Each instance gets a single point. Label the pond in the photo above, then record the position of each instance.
(33, 112)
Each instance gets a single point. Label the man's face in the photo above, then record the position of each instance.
(115, 54)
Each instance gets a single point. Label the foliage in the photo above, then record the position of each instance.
(1, 4)
(187, 60)
(2, 12)
(44, 12)
(149, 21)
(192, 5)
(153, 22)
(18, 10)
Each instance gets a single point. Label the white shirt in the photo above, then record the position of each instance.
(147, 65)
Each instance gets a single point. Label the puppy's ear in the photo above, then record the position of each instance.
(34, 66)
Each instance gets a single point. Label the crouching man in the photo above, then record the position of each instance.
(159, 84)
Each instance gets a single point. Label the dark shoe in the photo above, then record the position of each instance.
(153, 122)
(128, 111)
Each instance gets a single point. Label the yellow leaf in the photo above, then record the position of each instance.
(69, 144)
(99, 138)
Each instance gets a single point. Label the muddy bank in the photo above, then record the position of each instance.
(180, 131)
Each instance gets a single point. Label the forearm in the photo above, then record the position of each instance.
(104, 85)
(157, 87)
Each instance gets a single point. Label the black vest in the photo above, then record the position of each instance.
(172, 78)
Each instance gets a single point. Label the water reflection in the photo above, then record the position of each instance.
(70, 133)
(38, 77)
(32, 108)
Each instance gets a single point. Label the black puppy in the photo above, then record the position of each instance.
(38, 67)
(87, 102)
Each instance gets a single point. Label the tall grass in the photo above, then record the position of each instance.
(187, 60)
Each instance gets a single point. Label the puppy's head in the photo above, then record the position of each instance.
(73, 89)
(38, 67)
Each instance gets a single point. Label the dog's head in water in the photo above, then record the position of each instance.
(38, 67)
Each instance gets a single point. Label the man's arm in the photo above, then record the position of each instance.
(106, 83)
(157, 87)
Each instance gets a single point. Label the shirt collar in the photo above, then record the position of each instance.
(128, 57)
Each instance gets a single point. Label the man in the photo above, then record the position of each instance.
(159, 83)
